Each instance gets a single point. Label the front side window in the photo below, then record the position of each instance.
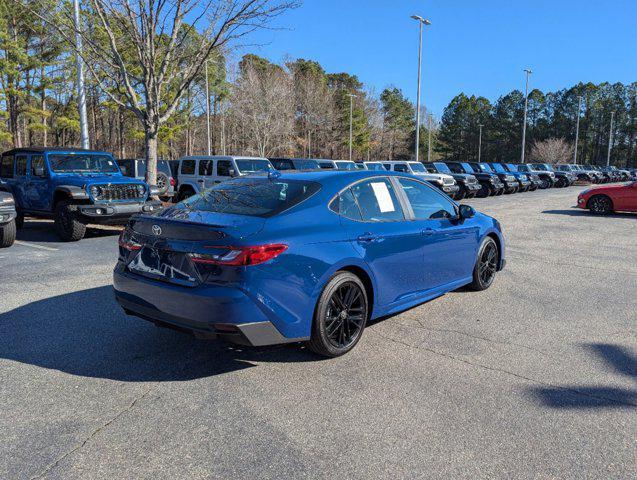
(82, 163)
(21, 165)
(187, 167)
(418, 167)
(205, 167)
(37, 166)
(223, 168)
(377, 200)
(326, 165)
(511, 167)
(375, 166)
(258, 197)
(252, 166)
(6, 166)
(345, 165)
(426, 203)
(467, 168)
(283, 164)
(401, 167)
(456, 168)
(498, 168)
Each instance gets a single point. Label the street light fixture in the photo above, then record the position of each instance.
(351, 109)
(421, 21)
(526, 103)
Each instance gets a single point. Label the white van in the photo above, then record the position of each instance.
(199, 172)
(444, 182)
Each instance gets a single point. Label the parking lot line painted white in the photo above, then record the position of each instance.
(34, 245)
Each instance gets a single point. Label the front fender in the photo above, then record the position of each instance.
(72, 191)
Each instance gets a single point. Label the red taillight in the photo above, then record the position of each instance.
(172, 182)
(240, 256)
(126, 242)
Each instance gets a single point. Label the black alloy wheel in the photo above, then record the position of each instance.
(486, 265)
(600, 204)
(340, 317)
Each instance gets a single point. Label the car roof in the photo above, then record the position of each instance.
(52, 149)
(220, 157)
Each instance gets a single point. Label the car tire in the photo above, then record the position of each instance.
(7, 234)
(340, 316)
(485, 191)
(162, 183)
(460, 195)
(600, 204)
(68, 227)
(500, 192)
(486, 265)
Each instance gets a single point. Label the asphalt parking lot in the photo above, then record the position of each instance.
(534, 378)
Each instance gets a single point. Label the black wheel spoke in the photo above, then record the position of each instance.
(345, 315)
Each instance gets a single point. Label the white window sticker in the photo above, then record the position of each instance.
(385, 203)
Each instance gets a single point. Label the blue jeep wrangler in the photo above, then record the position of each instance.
(75, 187)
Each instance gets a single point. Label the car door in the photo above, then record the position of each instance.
(625, 197)
(224, 171)
(206, 179)
(448, 246)
(20, 181)
(187, 172)
(36, 189)
(381, 234)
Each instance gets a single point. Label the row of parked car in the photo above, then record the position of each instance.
(76, 187)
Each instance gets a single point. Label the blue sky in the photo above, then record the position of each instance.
(476, 47)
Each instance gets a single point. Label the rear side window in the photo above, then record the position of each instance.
(387, 166)
(205, 167)
(126, 167)
(401, 168)
(6, 167)
(223, 168)
(326, 165)
(258, 197)
(346, 206)
(21, 165)
(283, 164)
(37, 166)
(188, 167)
(425, 201)
(377, 200)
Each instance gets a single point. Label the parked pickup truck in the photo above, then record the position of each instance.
(73, 186)
(7, 220)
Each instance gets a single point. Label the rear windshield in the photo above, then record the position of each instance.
(80, 163)
(251, 166)
(511, 167)
(257, 197)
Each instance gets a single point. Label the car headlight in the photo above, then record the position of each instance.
(95, 191)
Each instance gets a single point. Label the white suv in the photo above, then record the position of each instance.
(197, 173)
(444, 182)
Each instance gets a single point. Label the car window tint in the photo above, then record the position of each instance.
(425, 201)
(6, 168)
(282, 164)
(387, 166)
(345, 205)
(401, 168)
(205, 167)
(125, 167)
(188, 167)
(37, 166)
(377, 200)
(223, 168)
(21, 165)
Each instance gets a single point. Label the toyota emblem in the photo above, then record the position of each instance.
(156, 230)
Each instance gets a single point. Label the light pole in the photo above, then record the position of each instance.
(480, 143)
(421, 21)
(208, 110)
(526, 103)
(579, 109)
(610, 137)
(351, 110)
(81, 96)
(429, 141)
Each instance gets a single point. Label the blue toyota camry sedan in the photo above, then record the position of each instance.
(302, 257)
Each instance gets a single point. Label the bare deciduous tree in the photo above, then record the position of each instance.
(145, 54)
(552, 150)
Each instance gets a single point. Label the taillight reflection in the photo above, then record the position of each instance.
(240, 256)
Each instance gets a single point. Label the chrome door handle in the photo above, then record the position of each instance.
(366, 238)
(427, 231)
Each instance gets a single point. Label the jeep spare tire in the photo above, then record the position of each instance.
(67, 224)
(162, 183)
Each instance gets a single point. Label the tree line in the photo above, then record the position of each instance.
(146, 93)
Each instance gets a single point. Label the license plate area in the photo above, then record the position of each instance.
(165, 265)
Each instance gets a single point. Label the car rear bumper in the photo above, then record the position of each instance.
(208, 311)
(97, 212)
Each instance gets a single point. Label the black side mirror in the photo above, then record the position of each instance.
(466, 211)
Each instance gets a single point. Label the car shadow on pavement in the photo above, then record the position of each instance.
(585, 213)
(86, 333)
(44, 231)
(619, 361)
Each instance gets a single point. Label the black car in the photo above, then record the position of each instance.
(490, 183)
(468, 183)
(7, 219)
(562, 179)
(524, 183)
(294, 164)
(510, 182)
(533, 178)
(547, 179)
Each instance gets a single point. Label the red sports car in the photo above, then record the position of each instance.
(611, 198)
